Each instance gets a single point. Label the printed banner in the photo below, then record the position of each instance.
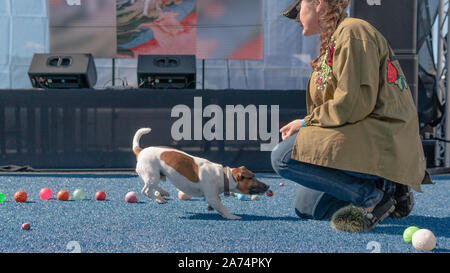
(209, 29)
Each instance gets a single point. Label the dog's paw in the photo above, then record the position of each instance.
(161, 201)
(164, 193)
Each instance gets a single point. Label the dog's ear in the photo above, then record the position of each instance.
(246, 172)
(242, 172)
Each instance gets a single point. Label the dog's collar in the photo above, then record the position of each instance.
(226, 182)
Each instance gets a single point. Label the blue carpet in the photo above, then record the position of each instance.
(268, 224)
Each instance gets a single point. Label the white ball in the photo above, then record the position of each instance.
(255, 197)
(131, 197)
(424, 240)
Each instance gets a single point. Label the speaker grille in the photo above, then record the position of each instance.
(395, 19)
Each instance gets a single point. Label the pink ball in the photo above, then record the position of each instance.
(25, 226)
(45, 193)
(131, 197)
(100, 195)
(183, 196)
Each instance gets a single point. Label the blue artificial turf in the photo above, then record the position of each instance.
(268, 225)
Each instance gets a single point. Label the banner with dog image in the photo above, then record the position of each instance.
(209, 29)
(155, 27)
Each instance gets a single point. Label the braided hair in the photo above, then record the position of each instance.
(328, 23)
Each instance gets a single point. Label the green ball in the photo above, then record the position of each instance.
(78, 194)
(2, 197)
(408, 233)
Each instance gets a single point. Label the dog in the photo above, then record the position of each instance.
(194, 176)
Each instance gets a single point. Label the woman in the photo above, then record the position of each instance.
(358, 151)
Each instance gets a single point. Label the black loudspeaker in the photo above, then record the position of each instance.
(395, 19)
(410, 67)
(62, 71)
(166, 71)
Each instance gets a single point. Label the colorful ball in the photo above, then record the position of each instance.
(240, 196)
(2, 197)
(78, 194)
(26, 226)
(45, 193)
(20, 196)
(131, 197)
(424, 240)
(408, 233)
(183, 196)
(269, 193)
(62, 195)
(100, 195)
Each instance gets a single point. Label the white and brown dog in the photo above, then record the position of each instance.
(194, 176)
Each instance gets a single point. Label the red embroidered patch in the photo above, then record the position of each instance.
(391, 73)
(330, 55)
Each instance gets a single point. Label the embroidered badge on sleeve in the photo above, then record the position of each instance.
(394, 77)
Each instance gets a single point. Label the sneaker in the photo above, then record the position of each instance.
(357, 219)
(405, 201)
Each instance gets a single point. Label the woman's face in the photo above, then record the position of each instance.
(308, 17)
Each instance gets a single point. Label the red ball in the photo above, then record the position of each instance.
(25, 226)
(269, 193)
(20, 196)
(62, 195)
(100, 195)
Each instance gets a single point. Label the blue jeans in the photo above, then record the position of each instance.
(324, 190)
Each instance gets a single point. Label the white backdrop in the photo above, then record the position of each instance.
(287, 54)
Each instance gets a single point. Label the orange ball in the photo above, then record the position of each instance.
(20, 196)
(63, 195)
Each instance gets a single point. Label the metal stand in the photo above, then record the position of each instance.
(442, 149)
(113, 72)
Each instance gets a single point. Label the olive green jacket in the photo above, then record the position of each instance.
(361, 115)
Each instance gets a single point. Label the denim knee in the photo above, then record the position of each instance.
(275, 158)
(281, 153)
(312, 204)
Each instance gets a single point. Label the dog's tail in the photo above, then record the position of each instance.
(136, 148)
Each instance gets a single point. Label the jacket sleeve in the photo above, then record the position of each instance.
(356, 67)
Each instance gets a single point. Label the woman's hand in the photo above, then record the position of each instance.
(290, 128)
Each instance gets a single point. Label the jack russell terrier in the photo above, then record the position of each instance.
(194, 176)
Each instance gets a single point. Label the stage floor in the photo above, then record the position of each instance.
(268, 225)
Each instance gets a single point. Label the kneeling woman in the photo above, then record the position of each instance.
(358, 151)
